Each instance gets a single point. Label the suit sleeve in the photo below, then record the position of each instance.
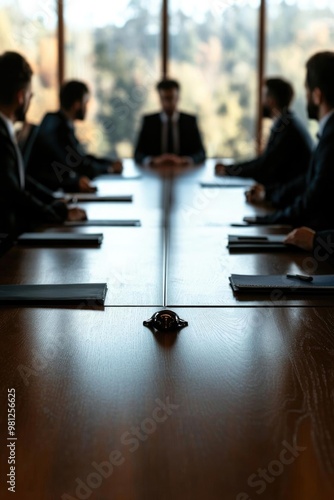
(23, 201)
(282, 195)
(38, 190)
(47, 164)
(317, 197)
(99, 166)
(323, 247)
(69, 150)
(44, 194)
(263, 168)
(251, 169)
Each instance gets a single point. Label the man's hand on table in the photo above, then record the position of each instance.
(256, 194)
(303, 237)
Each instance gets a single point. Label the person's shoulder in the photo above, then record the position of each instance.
(297, 127)
(53, 123)
(187, 116)
(188, 120)
(52, 115)
(51, 118)
(288, 119)
(296, 121)
(329, 128)
(151, 117)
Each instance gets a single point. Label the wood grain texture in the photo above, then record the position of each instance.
(200, 266)
(247, 385)
(212, 207)
(129, 261)
(146, 204)
(250, 381)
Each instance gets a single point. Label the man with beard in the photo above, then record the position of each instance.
(23, 202)
(289, 148)
(57, 158)
(310, 197)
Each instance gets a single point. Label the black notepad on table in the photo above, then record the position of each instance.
(266, 283)
(254, 243)
(53, 294)
(227, 182)
(83, 198)
(60, 239)
(103, 223)
(267, 226)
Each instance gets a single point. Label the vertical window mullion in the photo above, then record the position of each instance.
(165, 38)
(261, 72)
(61, 42)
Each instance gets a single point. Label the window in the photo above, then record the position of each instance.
(116, 51)
(214, 55)
(296, 30)
(29, 27)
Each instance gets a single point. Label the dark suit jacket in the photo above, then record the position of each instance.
(323, 247)
(282, 195)
(312, 195)
(287, 155)
(57, 159)
(21, 210)
(149, 140)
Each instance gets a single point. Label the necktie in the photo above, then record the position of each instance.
(170, 137)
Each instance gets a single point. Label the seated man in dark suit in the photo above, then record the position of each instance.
(57, 158)
(23, 202)
(169, 137)
(289, 147)
(309, 198)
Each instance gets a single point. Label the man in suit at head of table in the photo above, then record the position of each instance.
(289, 148)
(308, 200)
(169, 137)
(23, 202)
(58, 159)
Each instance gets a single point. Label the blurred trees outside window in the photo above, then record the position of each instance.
(116, 49)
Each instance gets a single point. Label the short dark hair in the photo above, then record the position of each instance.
(168, 84)
(281, 90)
(320, 74)
(71, 92)
(16, 74)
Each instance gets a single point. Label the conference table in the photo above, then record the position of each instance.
(238, 405)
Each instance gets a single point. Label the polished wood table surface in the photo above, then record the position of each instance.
(239, 402)
(237, 406)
